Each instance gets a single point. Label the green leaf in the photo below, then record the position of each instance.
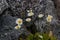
(30, 37)
(45, 36)
(53, 38)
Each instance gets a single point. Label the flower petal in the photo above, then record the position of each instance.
(28, 19)
(19, 21)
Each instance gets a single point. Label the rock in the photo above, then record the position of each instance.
(3, 5)
(47, 9)
(8, 31)
(18, 9)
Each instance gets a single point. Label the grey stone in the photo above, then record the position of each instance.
(14, 9)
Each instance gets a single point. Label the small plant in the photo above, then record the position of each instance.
(40, 36)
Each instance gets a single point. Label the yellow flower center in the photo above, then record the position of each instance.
(19, 21)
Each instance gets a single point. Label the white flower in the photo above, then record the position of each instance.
(28, 19)
(30, 13)
(40, 15)
(19, 21)
(17, 27)
(40, 36)
(49, 18)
